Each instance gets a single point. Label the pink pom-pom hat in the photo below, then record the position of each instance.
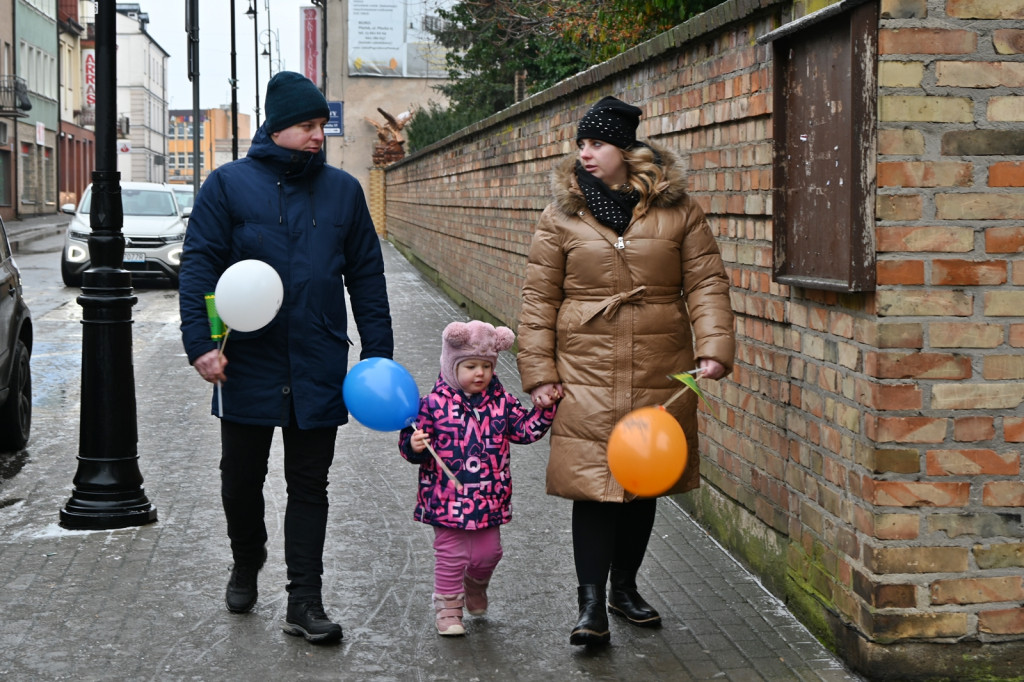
(471, 340)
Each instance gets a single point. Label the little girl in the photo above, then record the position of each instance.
(470, 421)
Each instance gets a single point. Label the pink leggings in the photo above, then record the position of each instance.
(458, 552)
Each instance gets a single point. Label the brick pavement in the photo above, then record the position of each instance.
(147, 603)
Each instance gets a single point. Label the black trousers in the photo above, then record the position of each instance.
(609, 535)
(245, 452)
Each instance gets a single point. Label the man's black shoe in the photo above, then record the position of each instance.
(307, 619)
(240, 596)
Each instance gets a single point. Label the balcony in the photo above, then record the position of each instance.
(85, 118)
(14, 100)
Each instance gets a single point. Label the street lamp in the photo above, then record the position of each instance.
(107, 489)
(251, 13)
(234, 90)
(268, 39)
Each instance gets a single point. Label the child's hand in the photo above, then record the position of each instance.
(547, 395)
(418, 440)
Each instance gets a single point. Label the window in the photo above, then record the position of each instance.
(5, 178)
(824, 162)
(39, 70)
(47, 7)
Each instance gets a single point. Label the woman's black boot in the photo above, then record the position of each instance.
(625, 601)
(592, 627)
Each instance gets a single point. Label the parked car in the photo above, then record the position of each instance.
(185, 195)
(15, 354)
(154, 230)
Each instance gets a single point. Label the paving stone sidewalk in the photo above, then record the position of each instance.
(147, 603)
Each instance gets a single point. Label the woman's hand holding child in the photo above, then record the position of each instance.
(547, 395)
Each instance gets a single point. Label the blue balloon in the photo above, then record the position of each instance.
(381, 394)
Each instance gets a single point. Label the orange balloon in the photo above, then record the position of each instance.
(647, 451)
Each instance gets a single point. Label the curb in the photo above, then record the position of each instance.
(32, 234)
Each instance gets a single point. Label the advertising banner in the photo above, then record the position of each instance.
(312, 43)
(390, 38)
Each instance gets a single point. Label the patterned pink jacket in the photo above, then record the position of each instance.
(473, 441)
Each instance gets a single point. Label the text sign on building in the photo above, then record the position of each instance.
(89, 77)
(389, 38)
(309, 20)
(336, 123)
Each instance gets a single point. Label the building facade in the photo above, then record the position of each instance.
(215, 142)
(14, 105)
(141, 98)
(35, 142)
(361, 75)
(76, 140)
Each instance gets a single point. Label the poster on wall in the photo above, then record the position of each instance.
(390, 38)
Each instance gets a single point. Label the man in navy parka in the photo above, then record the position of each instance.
(282, 204)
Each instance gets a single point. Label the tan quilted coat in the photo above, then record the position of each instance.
(610, 322)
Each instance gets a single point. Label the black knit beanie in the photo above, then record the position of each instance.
(610, 120)
(292, 98)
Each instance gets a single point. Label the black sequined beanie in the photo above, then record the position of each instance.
(292, 98)
(610, 120)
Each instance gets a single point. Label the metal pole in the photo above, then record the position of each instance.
(192, 20)
(234, 90)
(270, 64)
(107, 489)
(256, 55)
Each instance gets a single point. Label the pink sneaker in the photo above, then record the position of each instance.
(448, 614)
(476, 595)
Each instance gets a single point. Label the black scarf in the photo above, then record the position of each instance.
(613, 208)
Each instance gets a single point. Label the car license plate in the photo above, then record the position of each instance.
(134, 257)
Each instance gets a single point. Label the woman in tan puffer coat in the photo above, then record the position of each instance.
(624, 285)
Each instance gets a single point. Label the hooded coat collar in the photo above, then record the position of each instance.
(568, 198)
(291, 163)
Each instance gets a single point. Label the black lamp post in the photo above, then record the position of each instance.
(234, 90)
(272, 41)
(251, 13)
(107, 489)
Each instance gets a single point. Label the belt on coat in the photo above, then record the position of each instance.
(609, 305)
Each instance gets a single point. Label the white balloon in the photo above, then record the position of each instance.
(248, 295)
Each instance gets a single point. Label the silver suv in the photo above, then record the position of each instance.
(15, 352)
(154, 230)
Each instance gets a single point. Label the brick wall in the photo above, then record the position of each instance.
(375, 201)
(864, 457)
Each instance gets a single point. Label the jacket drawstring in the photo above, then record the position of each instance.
(280, 202)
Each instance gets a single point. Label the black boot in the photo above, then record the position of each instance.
(240, 595)
(307, 619)
(592, 627)
(625, 601)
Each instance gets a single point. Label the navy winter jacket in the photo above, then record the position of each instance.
(310, 222)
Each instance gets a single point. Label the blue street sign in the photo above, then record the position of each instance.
(336, 123)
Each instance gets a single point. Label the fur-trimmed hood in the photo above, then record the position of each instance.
(568, 197)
